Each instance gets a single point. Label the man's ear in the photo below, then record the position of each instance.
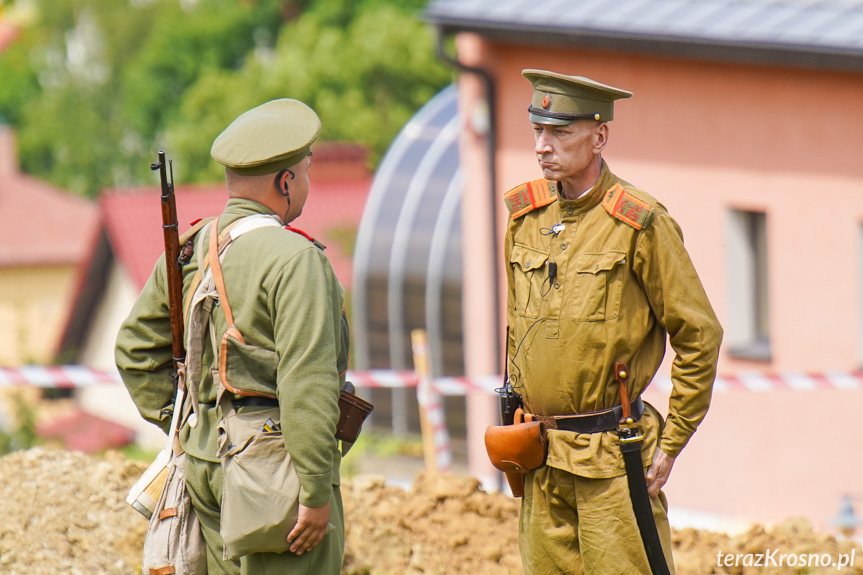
(600, 137)
(282, 182)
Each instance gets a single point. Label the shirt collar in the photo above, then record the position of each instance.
(589, 199)
(237, 208)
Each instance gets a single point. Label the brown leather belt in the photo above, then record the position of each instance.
(592, 422)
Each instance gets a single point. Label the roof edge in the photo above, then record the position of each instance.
(684, 47)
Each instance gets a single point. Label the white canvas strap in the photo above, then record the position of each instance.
(206, 296)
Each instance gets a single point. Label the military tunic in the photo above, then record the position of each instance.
(287, 303)
(623, 281)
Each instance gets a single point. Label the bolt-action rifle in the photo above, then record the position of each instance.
(146, 492)
(170, 229)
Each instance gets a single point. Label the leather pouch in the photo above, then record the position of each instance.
(353, 411)
(519, 447)
(516, 449)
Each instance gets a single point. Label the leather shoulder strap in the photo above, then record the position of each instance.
(220, 242)
(216, 248)
(189, 236)
(193, 231)
(216, 267)
(202, 269)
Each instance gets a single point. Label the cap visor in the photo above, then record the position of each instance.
(537, 119)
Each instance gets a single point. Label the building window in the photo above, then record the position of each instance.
(748, 329)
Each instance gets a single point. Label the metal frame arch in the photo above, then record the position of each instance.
(381, 187)
(450, 209)
(404, 225)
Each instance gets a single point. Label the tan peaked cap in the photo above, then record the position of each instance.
(272, 137)
(560, 99)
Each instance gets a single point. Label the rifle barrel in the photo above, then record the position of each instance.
(170, 229)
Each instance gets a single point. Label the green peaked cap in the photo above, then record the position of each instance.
(560, 99)
(272, 137)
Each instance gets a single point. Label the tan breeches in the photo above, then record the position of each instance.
(574, 525)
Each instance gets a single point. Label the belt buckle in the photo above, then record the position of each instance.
(627, 431)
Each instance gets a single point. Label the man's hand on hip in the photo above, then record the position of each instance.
(310, 528)
(658, 472)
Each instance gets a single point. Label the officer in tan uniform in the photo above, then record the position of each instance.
(597, 274)
(287, 303)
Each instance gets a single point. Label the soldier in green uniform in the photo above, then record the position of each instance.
(287, 303)
(597, 274)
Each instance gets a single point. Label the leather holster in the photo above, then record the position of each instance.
(353, 411)
(516, 449)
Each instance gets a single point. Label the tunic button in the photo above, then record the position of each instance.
(569, 211)
(526, 265)
(563, 246)
(556, 285)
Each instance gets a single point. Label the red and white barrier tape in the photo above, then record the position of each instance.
(767, 382)
(79, 376)
(753, 381)
(383, 378)
(429, 393)
(56, 376)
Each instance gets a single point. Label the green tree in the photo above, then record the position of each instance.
(365, 78)
(94, 87)
(70, 131)
(20, 81)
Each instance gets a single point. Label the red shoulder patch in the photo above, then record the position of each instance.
(530, 196)
(627, 208)
(301, 232)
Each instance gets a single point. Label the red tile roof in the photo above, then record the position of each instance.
(41, 225)
(82, 431)
(133, 220)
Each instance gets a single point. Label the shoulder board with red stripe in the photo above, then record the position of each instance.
(530, 196)
(301, 232)
(192, 231)
(307, 236)
(627, 208)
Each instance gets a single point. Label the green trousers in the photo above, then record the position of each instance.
(204, 484)
(575, 526)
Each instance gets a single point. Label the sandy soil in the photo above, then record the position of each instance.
(64, 512)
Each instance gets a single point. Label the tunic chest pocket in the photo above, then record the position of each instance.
(528, 271)
(598, 286)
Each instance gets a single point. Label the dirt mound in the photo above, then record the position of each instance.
(64, 512)
(695, 552)
(447, 525)
(443, 525)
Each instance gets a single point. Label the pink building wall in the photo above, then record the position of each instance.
(705, 138)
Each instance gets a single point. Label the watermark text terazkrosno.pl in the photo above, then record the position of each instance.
(776, 558)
